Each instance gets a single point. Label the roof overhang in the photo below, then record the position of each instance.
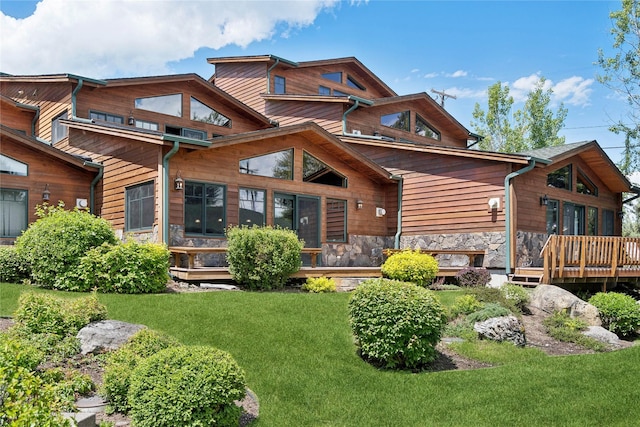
(53, 78)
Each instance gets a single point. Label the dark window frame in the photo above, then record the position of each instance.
(203, 209)
(583, 182)
(247, 221)
(3, 206)
(353, 83)
(97, 115)
(246, 170)
(146, 222)
(555, 176)
(279, 85)
(330, 76)
(225, 124)
(398, 115)
(139, 105)
(58, 130)
(14, 173)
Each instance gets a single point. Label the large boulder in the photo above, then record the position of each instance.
(505, 328)
(604, 335)
(105, 335)
(551, 299)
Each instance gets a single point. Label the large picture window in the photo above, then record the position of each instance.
(200, 112)
(164, 104)
(140, 210)
(396, 120)
(204, 208)
(252, 206)
(273, 165)
(13, 212)
(12, 167)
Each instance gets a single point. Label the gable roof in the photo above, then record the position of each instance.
(319, 137)
(52, 78)
(593, 155)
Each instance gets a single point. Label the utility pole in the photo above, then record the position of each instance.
(443, 95)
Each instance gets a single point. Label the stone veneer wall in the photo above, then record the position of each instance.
(528, 248)
(176, 232)
(493, 243)
(360, 251)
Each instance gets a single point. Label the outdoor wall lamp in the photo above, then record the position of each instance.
(46, 194)
(131, 121)
(178, 183)
(359, 204)
(544, 200)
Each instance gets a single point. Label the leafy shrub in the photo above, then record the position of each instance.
(18, 353)
(263, 258)
(13, 267)
(126, 268)
(473, 277)
(55, 243)
(67, 385)
(186, 385)
(619, 313)
(492, 295)
(516, 294)
(319, 285)
(396, 324)
(465, 304)
(411, 266)
(487, 312)
(121, 363)
(565, 328)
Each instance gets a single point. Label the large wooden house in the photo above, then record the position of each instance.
(323, 147)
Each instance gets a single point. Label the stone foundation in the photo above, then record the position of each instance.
(360, 251)
(528, 248)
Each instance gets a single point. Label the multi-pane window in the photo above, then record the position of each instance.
(106, 117)
(143, 124)
(58, 130)
(252, 206)
(336, 220)
(424, 129)
(592, 221)
(273, 165)
(201, 112)
(573, 220)
(560, 178)
(318, 172)
(204, 208)
(279, 85)
(140, 207)
(186, 132)
(13, 212)
(12, 167)
(396, 120)
(164, 104)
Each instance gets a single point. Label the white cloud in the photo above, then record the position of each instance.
(574, 91)
(466, 93)
(459, 73)
(105, 38)
(430, 75)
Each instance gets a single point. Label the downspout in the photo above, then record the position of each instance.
(357, 100)
(98, 177)
(73, 104)
(269, 74)
(165, 191)
(400, 179)
(507, 204)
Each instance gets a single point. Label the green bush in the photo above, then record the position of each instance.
(263, 258)
(492, 295)
(473, 277)
(186, 385)
(125, 268)
(13, 267)
(620, 313)
(18, 353)
(487, 312)
(464, 304)
(516, 294)
(565, 328)
(319, 285)
(411, 266)
(121, 363)
(55, 243)
(396, 324)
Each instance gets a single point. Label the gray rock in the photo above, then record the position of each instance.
(551, 299)
(505, 328)
(603, 335)
(105, 335)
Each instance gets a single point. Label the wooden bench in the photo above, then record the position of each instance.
(191, 253)
(471, 254)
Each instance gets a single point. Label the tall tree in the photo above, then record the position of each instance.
(621, 73)
(535, 126)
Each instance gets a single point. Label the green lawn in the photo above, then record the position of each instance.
(299, 358)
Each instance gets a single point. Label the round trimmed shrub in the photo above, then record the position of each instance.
(263, 258)
(319, 285)
(411, 266)
(396, 324)
(121, 363)
(620, 313)
(473, 277)
(55, 243)
(186, 385)
(13, 267)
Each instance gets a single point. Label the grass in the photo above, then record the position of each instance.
(298, 354)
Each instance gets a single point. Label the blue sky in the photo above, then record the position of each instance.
(461, 47)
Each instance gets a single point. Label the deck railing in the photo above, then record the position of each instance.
(590, 256)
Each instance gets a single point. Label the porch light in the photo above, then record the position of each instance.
(131, 121)
(178, 183)
(544, 200)
(359, 204)
(46, 194)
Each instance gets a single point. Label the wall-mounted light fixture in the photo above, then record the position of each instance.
(131, 121)
(46, 194)
(544, 200)
(178, 183)
(359, 204)
(621, 214)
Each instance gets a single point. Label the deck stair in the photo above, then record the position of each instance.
(528, 277)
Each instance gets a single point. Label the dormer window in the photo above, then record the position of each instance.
(424, 129)
(334, 77)
(165, 104)
(396, 120)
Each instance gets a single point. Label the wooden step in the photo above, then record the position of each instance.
(525, 279)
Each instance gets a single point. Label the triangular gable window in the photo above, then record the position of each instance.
(584, 185)
(201, 112)
(12, 167)
(424, 129)
(318, 172)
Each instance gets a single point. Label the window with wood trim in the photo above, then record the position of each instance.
(351, 82)
(58, 130)
(552, 216)
(11, 166)
(608, 221)
(272, 165)
(335, 76)
(106, 117)
(592, 221)
(423, 128)
(252, 206)
(573, 221)
(140, 207)
(318, 172)
(560, 178)
(204, 208)
(584, 185)
(336, 220)
(13, 212)
(170, 105)
(201, 112)
(186, 132)
(279, 85)
(398, 120)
